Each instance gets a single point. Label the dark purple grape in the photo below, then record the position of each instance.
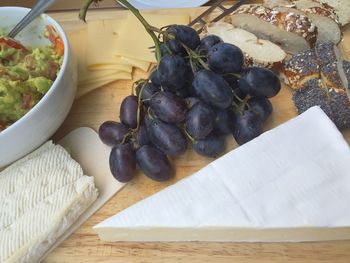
(194, 66)
(212, 89)
(112, 133)
(231, 80)
(128, 111)
(172, 47)
(154, 77)
(154, 163)
(186, 35)
(191, 101)
(262, 107)
(183, 93)
(225, 58)
(165, 48)
(122, 162)
(211, 146)
(173, 72)
(166, 137)
(200, 120)
(246, 127)
(140, 137)
(168, 107)
(207, 42)
(223, 121)
(148, 90)
(234, 83)
(260, 82)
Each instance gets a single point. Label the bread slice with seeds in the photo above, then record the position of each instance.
(257, 52)
(301, 68)
(325, 53)
(341, 7)
(294, 33)
(322, 16)
(334, 102)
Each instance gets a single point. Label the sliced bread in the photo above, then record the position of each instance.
(294, 33)
(322, 16)
(301, 68)
(258, 52)
(325, 53)
(341, 7)
(333, 102)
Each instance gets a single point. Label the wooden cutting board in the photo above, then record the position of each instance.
(84, 245)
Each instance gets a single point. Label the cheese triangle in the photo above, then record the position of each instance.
(291, 183)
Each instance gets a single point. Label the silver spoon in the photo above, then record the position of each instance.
(40, 7)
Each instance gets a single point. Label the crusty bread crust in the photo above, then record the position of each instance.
(326, 87)
(290, 22)
(301, 68)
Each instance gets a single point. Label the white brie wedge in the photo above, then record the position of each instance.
(41, 196)
(291, 183)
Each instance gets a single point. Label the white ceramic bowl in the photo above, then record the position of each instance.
(40, 123)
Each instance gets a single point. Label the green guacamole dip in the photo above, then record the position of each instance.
(26, 74)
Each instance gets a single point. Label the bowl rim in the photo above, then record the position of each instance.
(55, 84)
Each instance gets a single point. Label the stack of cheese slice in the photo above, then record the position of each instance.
(290, 184)
(108, 50)
(41, 195)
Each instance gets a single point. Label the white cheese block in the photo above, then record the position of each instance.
(291, 183)
(41, 196)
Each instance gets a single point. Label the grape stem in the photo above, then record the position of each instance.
(85, 7)
(150, 29)
(150, 114)
(139, 105)
(195, 55)
(189, 136)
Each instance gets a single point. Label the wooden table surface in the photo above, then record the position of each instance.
(84, 245)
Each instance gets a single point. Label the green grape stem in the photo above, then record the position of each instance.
(189, 136)
(139, 105)
(150, 29)
(85, 7)
(195, 56)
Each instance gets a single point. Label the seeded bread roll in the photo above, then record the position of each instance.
(333, 102)
(340, 106)
(300, 68)
(341, 7)
(322, 16)
(312, 94)
(294, 33)
(314, 7)
(325, 53)
(330, 75)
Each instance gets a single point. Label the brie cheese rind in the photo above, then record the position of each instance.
(41, 196)
(291, 183)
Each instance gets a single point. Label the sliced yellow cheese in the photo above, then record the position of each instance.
(108, 66)
(127, 64)
(133, 40)
(102, 38)
(106, 33)
(144, 65)
(96, 76)
(85, 88)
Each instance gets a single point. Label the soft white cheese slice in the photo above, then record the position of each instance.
(291, 183)
(41, 196)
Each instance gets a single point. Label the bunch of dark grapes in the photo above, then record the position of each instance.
(198, 93)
